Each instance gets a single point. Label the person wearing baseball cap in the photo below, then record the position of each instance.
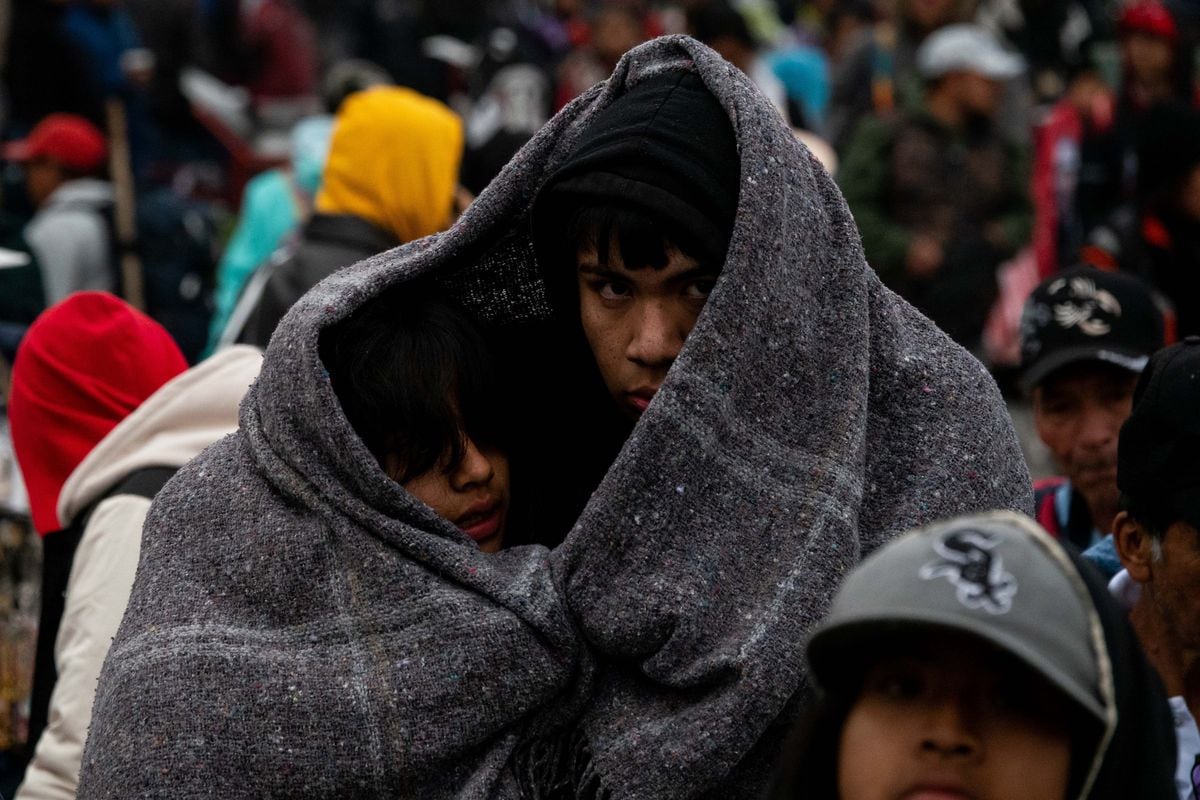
(64, 157)
(940, 196)
(977, 657)
(1157, 536)
(1156, 71)
(1086, 334)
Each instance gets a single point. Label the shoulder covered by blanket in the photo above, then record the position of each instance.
(301, 626)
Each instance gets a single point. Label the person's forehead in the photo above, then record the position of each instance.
(1086, 377)
(679, 264)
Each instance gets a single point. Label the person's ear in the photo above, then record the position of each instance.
(1133, 546)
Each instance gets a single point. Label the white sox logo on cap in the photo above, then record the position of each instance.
(977, 573)
(1085, 307)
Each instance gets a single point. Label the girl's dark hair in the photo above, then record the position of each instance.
(415, 378)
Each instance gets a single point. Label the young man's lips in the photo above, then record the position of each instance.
(640, 398)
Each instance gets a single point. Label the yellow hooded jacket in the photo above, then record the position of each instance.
(394, 161)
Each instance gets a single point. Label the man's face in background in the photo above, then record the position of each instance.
(1078, 412)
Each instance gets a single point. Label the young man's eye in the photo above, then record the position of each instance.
(700, 290)
(610, 290)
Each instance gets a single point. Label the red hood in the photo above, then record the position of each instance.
(85, 365)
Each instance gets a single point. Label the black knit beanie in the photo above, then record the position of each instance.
(665, 148)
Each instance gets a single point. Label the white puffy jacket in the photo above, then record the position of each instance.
(190, 412)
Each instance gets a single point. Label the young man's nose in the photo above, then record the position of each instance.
(658, 335)
(950, 729)
(475, 469)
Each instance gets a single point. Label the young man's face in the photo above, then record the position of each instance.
(636, 319)
(1078, 412)
(949, 718)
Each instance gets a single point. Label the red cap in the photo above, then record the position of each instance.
(1151, 18)
(66, 138)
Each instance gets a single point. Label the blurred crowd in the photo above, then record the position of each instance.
(1025, 173)
(1023, 139)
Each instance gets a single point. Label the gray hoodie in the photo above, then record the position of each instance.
(70, 237)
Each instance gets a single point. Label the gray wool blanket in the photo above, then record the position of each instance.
(302, 627)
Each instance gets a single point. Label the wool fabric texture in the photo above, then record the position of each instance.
(301, 626)
(85, 365)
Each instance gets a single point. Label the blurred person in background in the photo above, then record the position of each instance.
(391, 178)
(63, 159)
(395, 34)
(878, 74)
(1158, 236)
(1157, 536)
(615, 28)
(1054, 36)
(173, 32)
(102, 413)
(275, 203)
(1156, 70)
(267, 46)
(116, 68)
(278, 201)
(720, 26)
(1086, 335)
(1087, 105)
(510, 97)
(940, 197)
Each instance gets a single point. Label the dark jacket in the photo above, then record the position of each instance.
(327, 244)
(1140, 761)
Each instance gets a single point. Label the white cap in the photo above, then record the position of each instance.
(967, 48)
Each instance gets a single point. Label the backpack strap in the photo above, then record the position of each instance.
(58, 556)
(141, 483)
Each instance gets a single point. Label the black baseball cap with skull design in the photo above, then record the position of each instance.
(1087, 314)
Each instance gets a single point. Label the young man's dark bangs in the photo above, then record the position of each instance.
(414, 377)
(641, 240)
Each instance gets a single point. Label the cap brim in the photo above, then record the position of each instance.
(862, 634)
(1132, 360)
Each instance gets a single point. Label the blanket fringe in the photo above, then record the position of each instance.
(558, 767)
